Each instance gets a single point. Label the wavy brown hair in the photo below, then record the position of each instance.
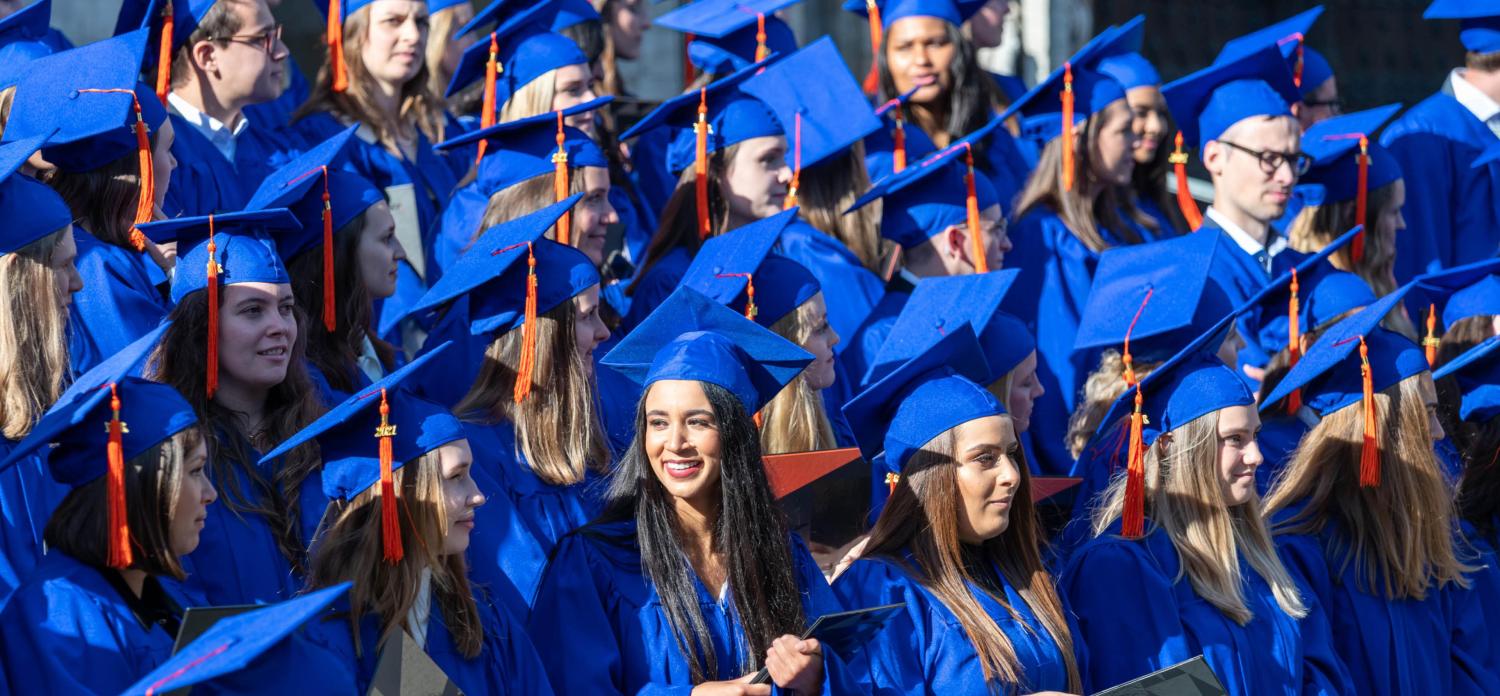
(1083, 214)
(336, 353)
(795, 420)
(103, 200)
(33, 335)
(1463, 335)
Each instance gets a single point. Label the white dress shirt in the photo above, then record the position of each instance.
(1476, 101)
(1263, 253)
(221, 135)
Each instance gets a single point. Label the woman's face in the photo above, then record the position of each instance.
(396, 42)
(379, 252)
(594, 214)
(162, 161)
(988, 457)
(1116, 144)
(1025, 389)
(682, 441)
(588, 328)
(460, 495)
(573, 85)
(920, 52)
(626, 24)
(820, 342)
(1239, 455)
(1430, 403)
(1150, 124)
(257, 329)
(65, 267)
(454, 51)
(755, 182)
(194, 494)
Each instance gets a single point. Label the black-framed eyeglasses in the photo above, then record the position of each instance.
(1272, 161)
(1334, 106)
(266, 40)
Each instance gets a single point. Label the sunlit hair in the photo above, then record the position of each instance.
(233, 454)
(441, 29)
(1462, 335)
(795, 420)
(1398, 535)
(557, 427)
(826, 189)
(1316, 226)
(1103, 386)
(971, 102)
(420, 107)
(7, 98)
(348, 548)
(529, 196)
(33, 335)
(336, 353)
(678, 226)
(153, 481)
(1185, 499)
(1084, 214)
(103, 200)
(921, 517)
(532, 99)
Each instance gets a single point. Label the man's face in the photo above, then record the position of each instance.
(246, 71)
(1245, 181)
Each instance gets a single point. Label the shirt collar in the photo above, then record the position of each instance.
(1243, 240)
(1477, 102)
(202, 121)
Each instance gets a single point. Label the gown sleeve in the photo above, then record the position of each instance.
(1473, 662)
(53, 631)
(1127, 613)
(570, 610)
(895, 660)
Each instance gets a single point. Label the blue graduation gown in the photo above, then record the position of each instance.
(28, 495)
(510, 541)
(1486, 580)
(1140, 617)
(1438, 645)
(1450, 209)
(456, 228)
(639, 222)
(596, 599)
(205, 181)
(648, 160)
(858, 356)
(655, 284)
(1240, 275)
(924, 650)
(850, 290)
(118, 304)
(277, 113)
(1278, 438)
(618, 399)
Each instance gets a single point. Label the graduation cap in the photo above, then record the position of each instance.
(97, 433)
(129, 362)
(231, 648)
(572, 13)
(1131, 70)
(939, 305)
(1477, 371)
(729, 35)
(373, 433)
(924, 199)
(824, 494)
(170, 23)
(520, 50)
(1479, 28)
(1315, 71)
(31, 210)
(691, 337)
(1348, 162)
(23, 38)
(1288, 36)
(1351, 361)
(1456, 294)
(821, 118)
(189, 231)
(739, 270)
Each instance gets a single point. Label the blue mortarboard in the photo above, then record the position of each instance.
(16, 57)
(932, 393)
(526, 51)
(1477, 371)
(347, 433)
(502, 12)
(573, 12)
(147, 14)
(1479, 29)
(725, 31)
(23, 38)
(940, 304)
(1041, 106)
(1117, 54)
(926, 198)
(85, 130)
(299, 184)
(822, 117)
(955, 12)
(1460, 292)
(129, 362)
(1315, 71)
(733, 116)
(189, 231)
(235, 643)
(1334, 145)
(1206, 103)
(1153, 297)
(1131, 70)
(243, 258)
(1333, 295)
(1286, 35)
(31, 210)
(691, 337)
(1323, 292)
(732, 262)
(436, 6)
(522, 149)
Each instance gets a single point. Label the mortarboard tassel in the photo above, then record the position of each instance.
(700, 163)
(487, 110)
(891, 479)
(687, 62)
(1431, 342)
(390, 524)
(872, 78)
(145, 204)
(760, 37)
(1133, 517)
(1125, 356)
(751, 311)
(791, 194)
(1293, 342)
(1185, 202)
(330, 318)
(1067, 127)
(152, 690)
(164, 53)
(971, 204)
(1297, 69)
(120, 555)
(1369, 455)
(212, 285)
(899, 138)
(560, 185)
(1362, 196)
(527, 363)
(335, 40)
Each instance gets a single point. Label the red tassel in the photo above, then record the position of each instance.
(971, 205)
(1357, 247)
(1067, 127)
(687, 63)
(527, 363)
(899, 137)
(1133, 518)
(487, 110)
(891, 479)
(145, 204)
(760, 37)
(751, 311)
(1185, 202)
(335, 39)
(791, 194)
(390, 524)
(1126, 357)
(1294, 342)
(330, 318)
(758, 420)
(1369, 455)
(560, 185)
(700, 164)
(1431, 342)
(212, 285)
(1297, 71)
(120, 554)
(164, 54)
(872, 78)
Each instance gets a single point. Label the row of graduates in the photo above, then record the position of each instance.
(922, 209)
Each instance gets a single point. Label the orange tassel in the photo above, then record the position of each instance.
(687, 63)
(145, 204)
(1133, 518)
(1067, 127)
(487, 110)
(1185, 202)
(872, 78)
(760, 37)
(164, 54)
(791, 194)
(758, 420)
(1357, 247)
(330, 318)
(751, 311)
(891, 479)
(899, 138)
(1369, 455)
(527, 364)
(971, 205)
(700, 164)
(560, 185)
(1294, 342)
(1297, 70)
(1126, 357)
(212, 285)
(390, 524)
(335, 39)
(1431, 342)
(120, 554)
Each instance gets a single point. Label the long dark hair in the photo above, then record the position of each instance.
(750, 536)
(973, 97)
(335, 352)
(678, 226)
(1478, 443)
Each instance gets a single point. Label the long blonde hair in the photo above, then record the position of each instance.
(1399, 535)
(826, 189)
(532, 99)
(795, 420)
(348, 547)
(1185, 499)
(1082, 214)
(33, 335)
(1100, 390)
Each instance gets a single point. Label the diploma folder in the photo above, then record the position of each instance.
(404, 669)
(844, 631)
(1191, 678)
